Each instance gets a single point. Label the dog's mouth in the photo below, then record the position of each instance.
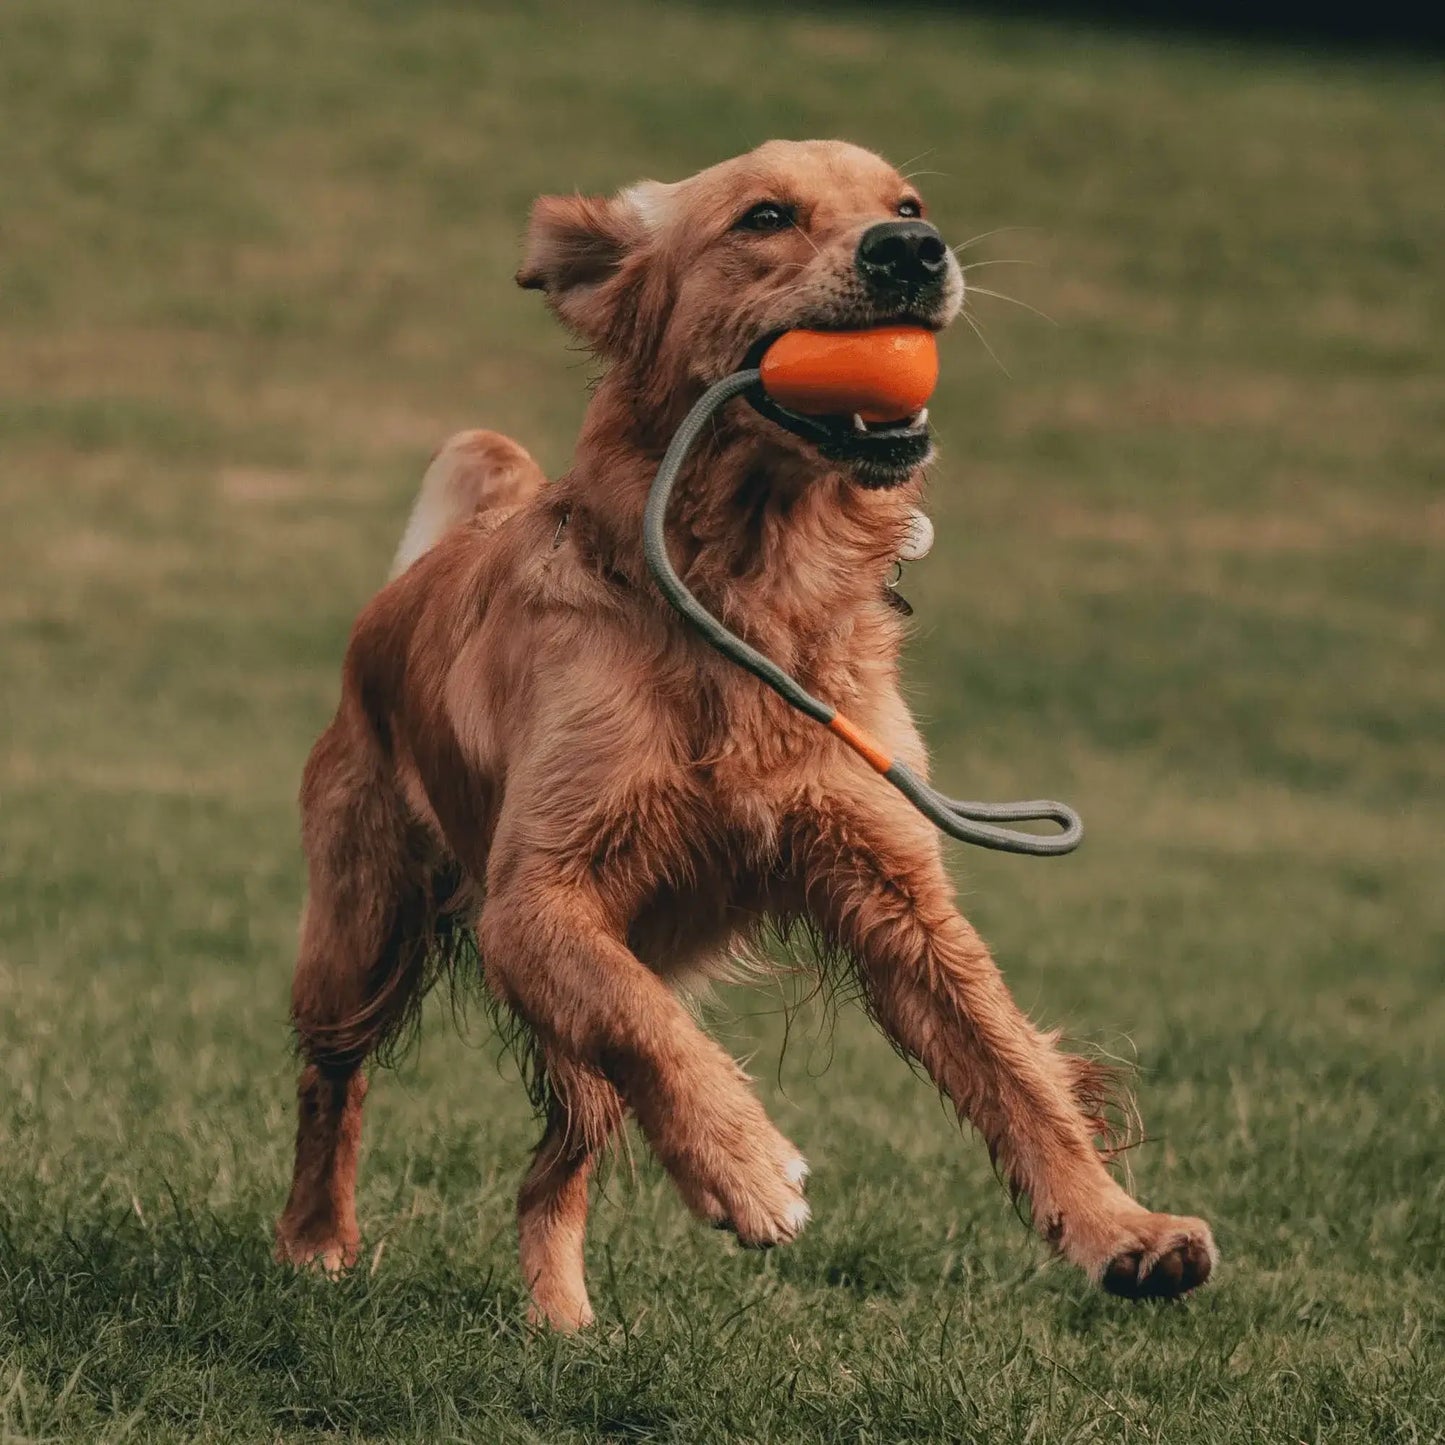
(879, 453)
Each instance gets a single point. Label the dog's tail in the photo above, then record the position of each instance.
(474, 471)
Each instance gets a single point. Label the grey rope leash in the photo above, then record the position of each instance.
(967, 821)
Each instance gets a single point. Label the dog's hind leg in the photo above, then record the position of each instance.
(359, 970)
(583, 1113)
(318, 1224)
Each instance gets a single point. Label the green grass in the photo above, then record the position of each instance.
(255, 262)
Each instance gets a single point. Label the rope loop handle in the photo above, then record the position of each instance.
(969, 822)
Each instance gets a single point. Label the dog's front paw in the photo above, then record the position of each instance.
(1165, 1256)
(763, 1203)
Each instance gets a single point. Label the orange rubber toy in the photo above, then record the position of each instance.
(885, 374)
(882, 375)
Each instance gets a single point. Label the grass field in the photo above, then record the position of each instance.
(255, 262)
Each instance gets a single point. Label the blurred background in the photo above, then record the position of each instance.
(255, 263)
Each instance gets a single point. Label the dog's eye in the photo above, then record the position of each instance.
(910, 208)
(767, 216)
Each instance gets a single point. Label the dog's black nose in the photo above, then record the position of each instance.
(902, 255)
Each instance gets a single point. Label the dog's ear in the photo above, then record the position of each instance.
(576, 250)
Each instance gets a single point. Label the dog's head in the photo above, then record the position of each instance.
(683, 283)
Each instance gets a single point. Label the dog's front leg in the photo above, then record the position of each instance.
(556, 954)
(875, 884)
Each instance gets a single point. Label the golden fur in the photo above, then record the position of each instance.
(528, 738)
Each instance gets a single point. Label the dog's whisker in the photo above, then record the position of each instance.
(807, 238)
(1013, 300)
(978, 331)
(984, 235)
(921, 156)
(1001, 261)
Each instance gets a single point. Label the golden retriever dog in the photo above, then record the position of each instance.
(534, 752)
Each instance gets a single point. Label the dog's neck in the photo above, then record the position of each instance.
(778, 542)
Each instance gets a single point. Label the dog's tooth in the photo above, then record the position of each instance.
(859, 425)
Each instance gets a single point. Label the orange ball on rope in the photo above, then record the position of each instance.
(884, 374)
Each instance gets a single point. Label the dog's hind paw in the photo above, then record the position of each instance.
(331, 1257)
